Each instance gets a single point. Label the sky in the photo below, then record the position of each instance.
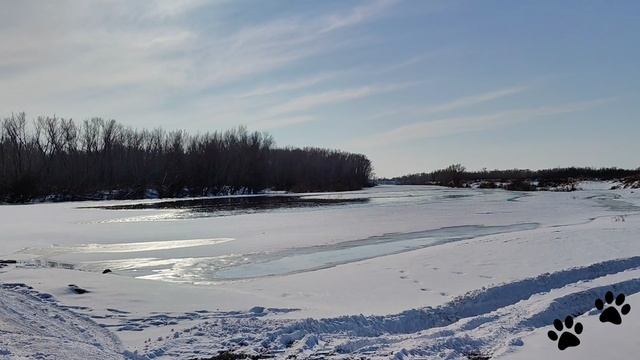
(415, 85)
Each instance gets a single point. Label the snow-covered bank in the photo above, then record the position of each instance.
(488, 293)
(495, 321)
(32, 325)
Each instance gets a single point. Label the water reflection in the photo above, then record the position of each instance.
(245, 266)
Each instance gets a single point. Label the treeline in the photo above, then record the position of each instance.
(516, 179)
(99, 158)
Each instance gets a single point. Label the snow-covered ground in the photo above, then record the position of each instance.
(415, 272)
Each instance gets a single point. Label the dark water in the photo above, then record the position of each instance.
(238, 204)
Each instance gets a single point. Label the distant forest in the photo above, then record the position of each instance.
(64, 160)
(518, 179)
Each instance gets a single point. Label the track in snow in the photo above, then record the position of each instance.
(487, 321)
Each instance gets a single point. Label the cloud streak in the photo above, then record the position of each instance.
(295, 111)
(463, 124)
(145, 53)
(275, 123)
(453, 105)
(473, 100)
(307, 102)
(277, 43)
(357, 15)
(288, 86)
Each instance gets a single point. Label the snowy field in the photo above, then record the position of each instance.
(407, 272)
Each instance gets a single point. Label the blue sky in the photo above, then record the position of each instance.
(415, 85)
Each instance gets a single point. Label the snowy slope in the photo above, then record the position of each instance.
(33, 326)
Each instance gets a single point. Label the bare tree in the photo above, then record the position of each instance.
(103, 158)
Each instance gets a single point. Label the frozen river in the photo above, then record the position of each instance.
(210, 240)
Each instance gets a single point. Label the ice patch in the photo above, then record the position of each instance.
(127, 247)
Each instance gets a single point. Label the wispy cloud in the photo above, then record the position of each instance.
(452, 105)
(153, 51)
(164, 9)
(307, 102)
(463, 124)
(357, 15)
(309, 81)
(417, 59)
(272, 45)
(472, 100)
(288, 86)
(299, 110)
(280, 122)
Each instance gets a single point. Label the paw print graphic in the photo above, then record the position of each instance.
(566, 339)
(611, 314)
